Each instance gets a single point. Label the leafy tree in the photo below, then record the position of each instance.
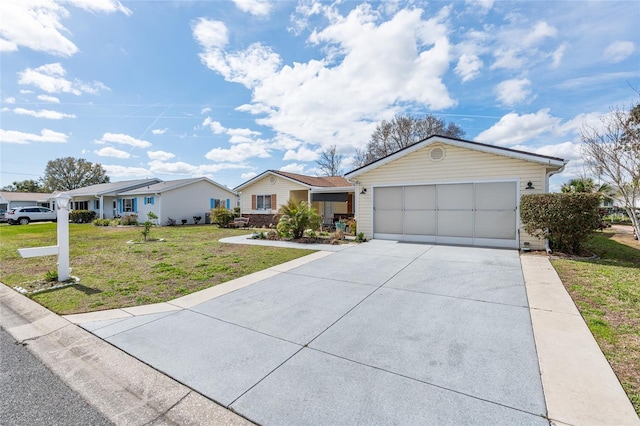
(613, 154)
(64, 174)
(329, 162)
(297, 217)
(403, 131)
(28, 185)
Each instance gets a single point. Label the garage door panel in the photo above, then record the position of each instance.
(388, 198)
(496, 196)
(495, 224)
(455, 196)
(388, 222)
(420, 197)
(420, 222)
(455, 223)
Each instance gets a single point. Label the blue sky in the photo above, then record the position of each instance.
(228, 89)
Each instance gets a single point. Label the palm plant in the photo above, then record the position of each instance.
(297, 217)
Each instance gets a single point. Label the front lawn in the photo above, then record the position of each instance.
(607, 293)
(114, 274)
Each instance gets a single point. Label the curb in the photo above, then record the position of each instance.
(123, 389)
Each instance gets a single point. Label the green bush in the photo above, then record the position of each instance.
(82, 216)
(222, 217)
(566, 220)
(129, 219)
(102, 222)
(296, 218)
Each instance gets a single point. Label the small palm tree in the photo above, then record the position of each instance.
(296, 217)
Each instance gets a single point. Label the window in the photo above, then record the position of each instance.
(127, 204)
(149, 200)
(263, 202)
(81, 205)
(96, 204)
(216, 202)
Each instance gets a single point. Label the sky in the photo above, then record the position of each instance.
(229, 89)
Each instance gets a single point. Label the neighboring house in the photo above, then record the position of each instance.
(177, 199)
(103, 198)
(10, 200)
(451, 191)
(262, 196)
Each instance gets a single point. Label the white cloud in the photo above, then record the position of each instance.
(293, 168)
(558, 54)
(248, 175)
(483, 5)
(205, 110)
(254, 7)
(237, 153)
(468, 66)
(37, 24)
(179, 167)
(9, 100)
(210, 34)
(112, 152)
(50, 99)
(50, 78)
(105, 6)
(123, 139)
(508, 58)
(619, 50)
(160, 155)
(513, 129)
(539, 32)
(515, 91)
(159, 131)
(215, 126)
(43, 113)
(124, 172)
(46, 135)
(302, 154)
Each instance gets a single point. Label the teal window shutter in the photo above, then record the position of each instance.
(120, 205)
(228, 204)
(153, 199)
(212, 203)
(134, 204)
(145, 200)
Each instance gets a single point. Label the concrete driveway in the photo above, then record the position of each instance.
(378, 333)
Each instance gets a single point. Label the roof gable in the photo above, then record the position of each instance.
(112, 187)
(554, 162)
(308, 181)
(171, 185)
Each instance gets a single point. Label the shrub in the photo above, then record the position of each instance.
(222, 217)
(130, 219)
(566, 220)
(101, 222)
(171, 222)
(82, 216)
(146, 230)
(296, 218)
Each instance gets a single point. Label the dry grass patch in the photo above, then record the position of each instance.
(607, 293)
(114, 274)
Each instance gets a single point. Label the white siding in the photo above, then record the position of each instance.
(280, 186)
(458, 165)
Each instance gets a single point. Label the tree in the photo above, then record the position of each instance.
(403, 131)
(329, 162)
(613, 154)
(64, 174)
(297, 217)
(28, 185)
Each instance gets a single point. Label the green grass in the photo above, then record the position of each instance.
(607, 293)
(114, 274)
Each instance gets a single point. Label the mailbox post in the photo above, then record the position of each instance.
(62, 249)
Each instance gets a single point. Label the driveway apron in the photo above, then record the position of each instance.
(379, 333)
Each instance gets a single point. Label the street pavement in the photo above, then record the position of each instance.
(32, 395)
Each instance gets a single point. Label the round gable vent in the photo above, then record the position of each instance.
(436, 153)
(272, 180)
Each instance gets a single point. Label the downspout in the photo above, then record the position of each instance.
(159, 208)
(546, 190)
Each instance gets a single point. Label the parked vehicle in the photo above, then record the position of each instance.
(3, 218)
(24, 215)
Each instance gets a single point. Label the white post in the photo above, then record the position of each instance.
(62, 204)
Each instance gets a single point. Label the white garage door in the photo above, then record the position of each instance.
(480, 213)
